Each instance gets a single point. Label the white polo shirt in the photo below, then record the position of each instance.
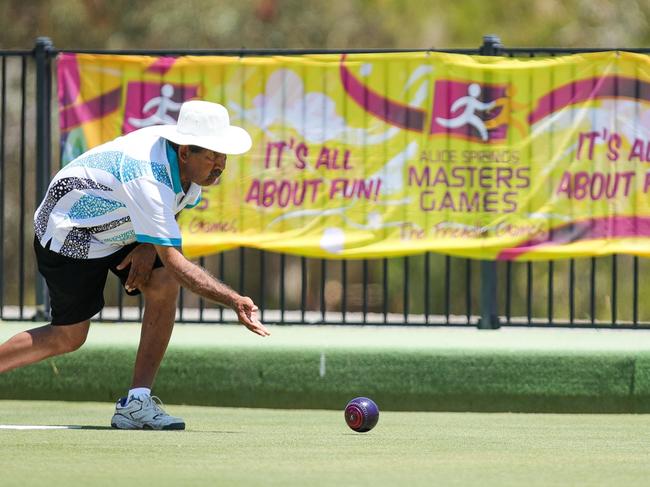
(124, 191)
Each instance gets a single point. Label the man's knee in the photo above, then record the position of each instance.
(161, 286)
(69, 338)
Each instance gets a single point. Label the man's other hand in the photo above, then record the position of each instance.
(141, 259)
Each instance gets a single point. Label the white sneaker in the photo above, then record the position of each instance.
(144, 413)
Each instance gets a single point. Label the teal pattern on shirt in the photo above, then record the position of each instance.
(89, 206)
(106, 161)
(130, 169)
(122, 237)
(134, 169)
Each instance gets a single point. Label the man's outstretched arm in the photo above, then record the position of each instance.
(199, 281)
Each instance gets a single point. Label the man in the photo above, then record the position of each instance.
(114, 208)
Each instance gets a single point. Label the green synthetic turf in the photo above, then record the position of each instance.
(249, 447)
(405, 369)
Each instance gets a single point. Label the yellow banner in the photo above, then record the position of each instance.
(379, 155)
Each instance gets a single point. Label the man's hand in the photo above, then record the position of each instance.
(141, 260)
(247, 314)
(199, 281)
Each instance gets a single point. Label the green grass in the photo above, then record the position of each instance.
(314, 367)
(228, 446)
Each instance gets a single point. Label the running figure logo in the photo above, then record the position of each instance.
(472, 104)
(162, 104)
(149, 103)
(471, 110)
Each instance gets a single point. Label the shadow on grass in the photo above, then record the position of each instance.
(219, 432)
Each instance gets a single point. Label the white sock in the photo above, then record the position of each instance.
(138, 392)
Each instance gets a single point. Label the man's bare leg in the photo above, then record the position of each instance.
(160, 296)
(142, 411)
(30, 346)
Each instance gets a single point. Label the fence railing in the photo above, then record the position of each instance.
(427, 289)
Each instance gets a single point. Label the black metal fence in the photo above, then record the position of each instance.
(428, 289)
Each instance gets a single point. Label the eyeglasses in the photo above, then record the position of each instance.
(214, 156)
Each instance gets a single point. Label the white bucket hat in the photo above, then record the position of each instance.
(206, 124)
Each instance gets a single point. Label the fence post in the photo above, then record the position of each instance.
(489, 319)
(491, 45)
(43, 54)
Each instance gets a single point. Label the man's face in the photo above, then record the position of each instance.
(203, 168)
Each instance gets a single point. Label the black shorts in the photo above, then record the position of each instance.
(76, 286)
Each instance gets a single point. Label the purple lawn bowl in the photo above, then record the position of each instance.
(361, 414)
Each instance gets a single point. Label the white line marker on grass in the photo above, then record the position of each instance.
(321, 370)
(36, 427)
